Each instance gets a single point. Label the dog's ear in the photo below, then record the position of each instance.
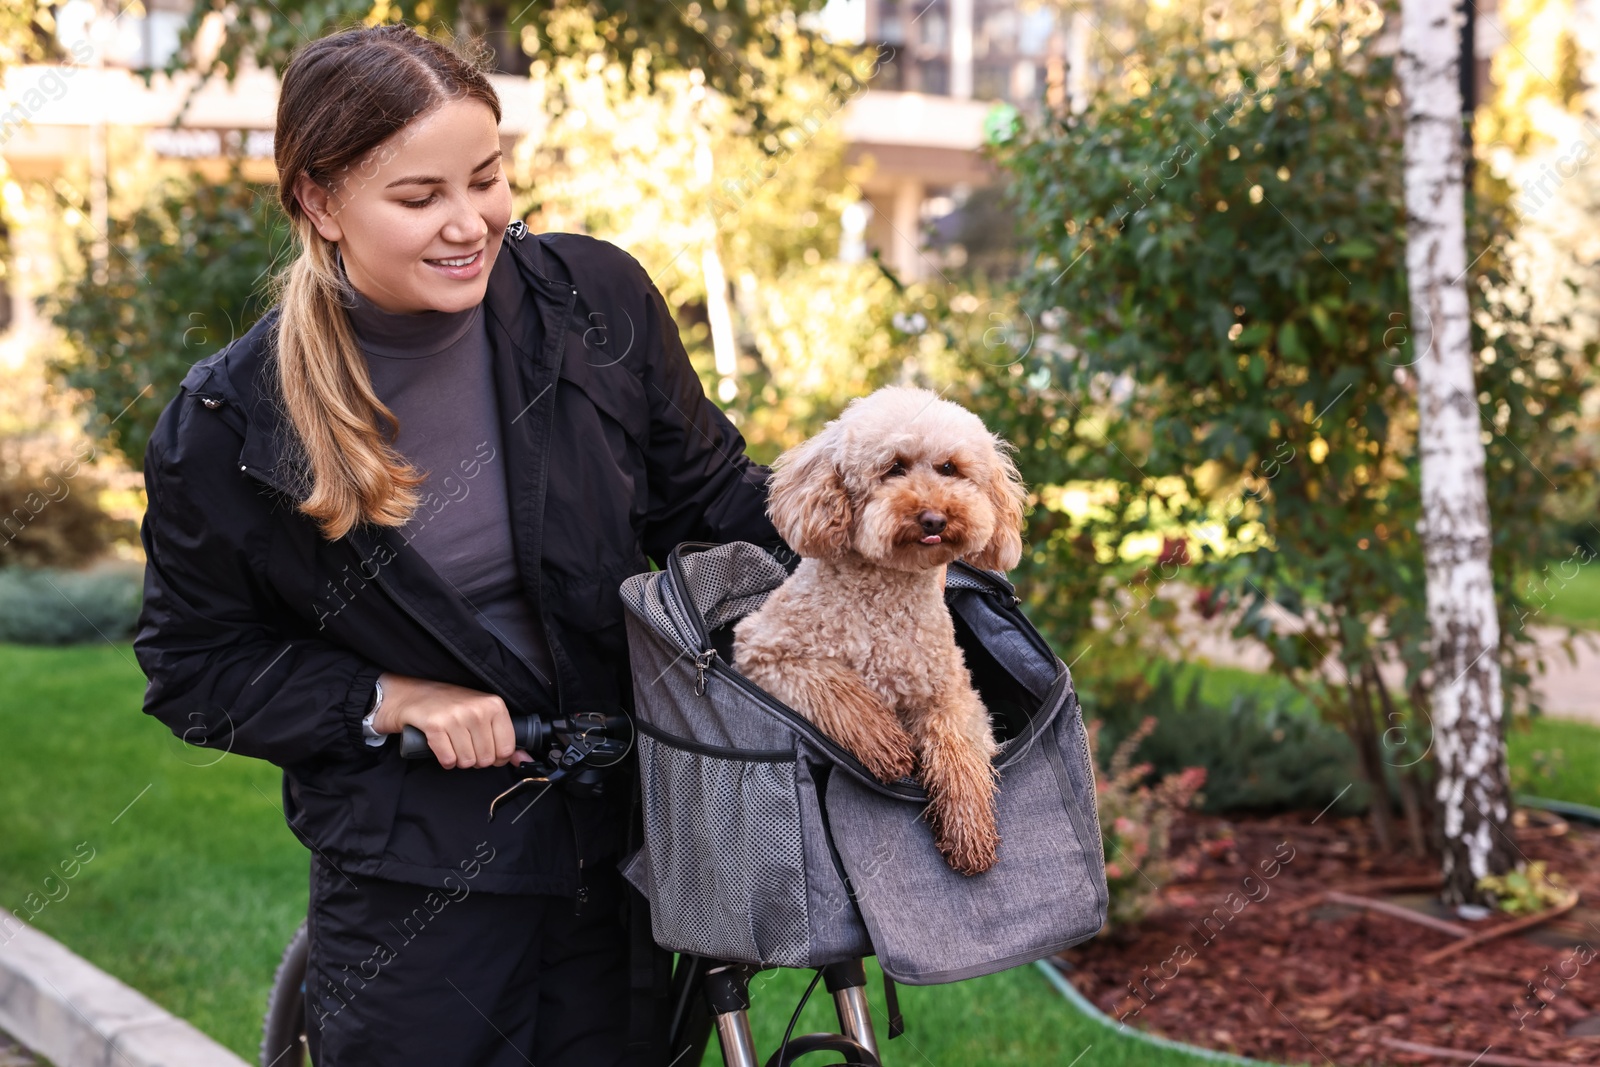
(1007, 495)
(806, 499)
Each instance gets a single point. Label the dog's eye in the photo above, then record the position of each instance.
(948, 468)
(895, 470)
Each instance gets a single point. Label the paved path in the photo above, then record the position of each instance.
(1569, 688)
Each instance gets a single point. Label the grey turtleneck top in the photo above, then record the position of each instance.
(433, 370)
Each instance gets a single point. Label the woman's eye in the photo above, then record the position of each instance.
(425, 201)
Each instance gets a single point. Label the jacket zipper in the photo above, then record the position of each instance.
(582, 896)
(383, 584)
(439, 636)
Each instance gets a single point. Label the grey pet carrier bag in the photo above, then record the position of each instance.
(767, 843)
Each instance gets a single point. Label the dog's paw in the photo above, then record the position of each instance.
(967, 836)
(970, 854)
(889, 759)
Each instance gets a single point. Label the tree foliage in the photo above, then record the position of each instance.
(186, 272)
(1220, 253)
(668, 169)
(27, 34)
(726, 41)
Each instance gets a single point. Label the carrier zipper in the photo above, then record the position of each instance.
(1082, 733)
(1005, 592)
(701, 662)
(1000, 585)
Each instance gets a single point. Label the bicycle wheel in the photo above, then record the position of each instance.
(283, 1028)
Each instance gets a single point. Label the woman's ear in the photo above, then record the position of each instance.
(1007, 495)
(318, 204)
(806, 499)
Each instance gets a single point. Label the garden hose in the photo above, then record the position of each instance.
(1565, 808)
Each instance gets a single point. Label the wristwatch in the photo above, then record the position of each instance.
(374, 738)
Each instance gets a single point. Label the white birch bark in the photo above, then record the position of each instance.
(1472, 786)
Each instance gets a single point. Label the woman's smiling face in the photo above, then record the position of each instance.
(433, 191)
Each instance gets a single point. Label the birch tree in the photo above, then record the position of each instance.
(1465, 698)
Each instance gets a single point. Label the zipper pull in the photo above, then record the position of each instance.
(701, 662)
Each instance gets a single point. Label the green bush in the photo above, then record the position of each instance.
(1136, 816)
(45, 606)
(1258, 756)
(185, 277)
(50, 517)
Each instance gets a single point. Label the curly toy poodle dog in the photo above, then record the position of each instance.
(858, 639)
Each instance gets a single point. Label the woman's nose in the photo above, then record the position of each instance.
(466, 225)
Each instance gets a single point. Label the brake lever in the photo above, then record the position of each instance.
(548, 781)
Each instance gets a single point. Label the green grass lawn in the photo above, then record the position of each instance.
(1219, 685)
(195, 883)
(1566, 592)
(1556, 758)
(1015, 1017)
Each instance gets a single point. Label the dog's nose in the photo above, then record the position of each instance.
(932, 522)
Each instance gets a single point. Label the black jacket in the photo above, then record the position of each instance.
(261, 638)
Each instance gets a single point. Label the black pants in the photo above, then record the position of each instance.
(400, 974)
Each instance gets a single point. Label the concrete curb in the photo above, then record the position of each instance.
(74, 1014)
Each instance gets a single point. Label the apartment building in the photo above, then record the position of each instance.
(945, 65)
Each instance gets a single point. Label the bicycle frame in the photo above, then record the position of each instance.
(722, 990)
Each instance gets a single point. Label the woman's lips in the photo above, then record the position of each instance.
(469, 270)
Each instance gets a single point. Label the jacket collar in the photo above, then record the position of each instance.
(242, 376)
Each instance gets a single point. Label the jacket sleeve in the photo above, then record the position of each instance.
(220, 674)
(702, 486)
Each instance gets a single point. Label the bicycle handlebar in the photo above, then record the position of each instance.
(533, 736)
(594, 737)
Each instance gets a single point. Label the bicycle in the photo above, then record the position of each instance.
(705, 994)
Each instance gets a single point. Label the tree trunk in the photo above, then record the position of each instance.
(1405, 772)
(1363, 734)
(1472, 787)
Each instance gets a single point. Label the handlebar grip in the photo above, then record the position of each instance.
(530, 733)
(414, 744)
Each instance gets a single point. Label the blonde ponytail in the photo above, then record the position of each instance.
(356, 474)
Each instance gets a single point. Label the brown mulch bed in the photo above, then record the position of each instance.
(1270, 967)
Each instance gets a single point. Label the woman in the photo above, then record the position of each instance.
(407, 497)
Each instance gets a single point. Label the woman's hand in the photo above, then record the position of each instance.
(465, 727)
